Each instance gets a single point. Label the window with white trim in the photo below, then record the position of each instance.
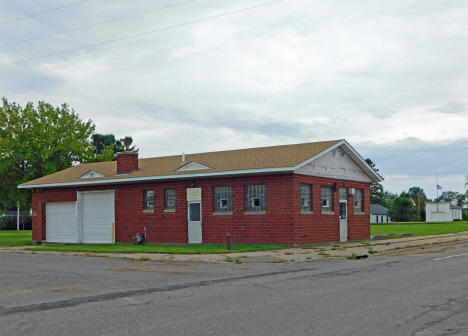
(358, 207)
(327, 198)
(255, 197)
(169, 199)
(148, 200)
(306, 197)
(222, 197)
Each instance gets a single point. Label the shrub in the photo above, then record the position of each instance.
(403, 210)
(10, 222)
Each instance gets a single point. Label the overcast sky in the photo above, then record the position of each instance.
(391, 77)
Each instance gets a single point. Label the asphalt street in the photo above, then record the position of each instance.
(420, 294)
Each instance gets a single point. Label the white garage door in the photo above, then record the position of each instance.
(98, 216)
(61, 222)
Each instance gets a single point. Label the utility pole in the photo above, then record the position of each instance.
(17, 216)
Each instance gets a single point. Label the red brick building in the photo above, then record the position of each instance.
(294, 194)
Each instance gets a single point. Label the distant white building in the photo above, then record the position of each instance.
(379, 214)
(442, 212)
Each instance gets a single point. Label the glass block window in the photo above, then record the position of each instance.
(306, 197)
(169, 199)
(222, 199)
(358, 206)
(327, 199)
(148, 200)
(255, 197)
(343, 194)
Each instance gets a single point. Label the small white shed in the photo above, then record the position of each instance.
(442, 212)
(379, 214)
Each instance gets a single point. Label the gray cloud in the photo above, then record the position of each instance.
(290, 72)
(451, 107)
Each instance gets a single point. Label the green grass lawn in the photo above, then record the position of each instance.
(15, 238)
(420, 229)
(24, 238)
(166, 249)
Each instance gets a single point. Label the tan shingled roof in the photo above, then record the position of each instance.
(233, 160)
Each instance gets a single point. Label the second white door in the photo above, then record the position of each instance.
(194, 223)
(343, 221)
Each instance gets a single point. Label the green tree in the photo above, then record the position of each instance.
(101, 141)
(127, 141)
(388, 198)
(413, 193)
(37, 141)
(403, 210)
(453, 197)
(107, 154)
(376, 188)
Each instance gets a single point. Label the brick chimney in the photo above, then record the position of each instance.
(126, 162)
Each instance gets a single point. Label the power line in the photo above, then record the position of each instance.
(421, 153)
(95, 24)
(459, 145)
(417, 156)
(145, 33)
(47, 11)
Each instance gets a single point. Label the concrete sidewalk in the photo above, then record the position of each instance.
(369, 248)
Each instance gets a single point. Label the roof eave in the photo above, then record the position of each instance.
(156, 178)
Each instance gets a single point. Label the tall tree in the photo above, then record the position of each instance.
(453, 197)
(403, 210)
(101, 141)
(389, 197)
(37, 141)
(376, 188)
(127, 141)
(107, 154)
(413, 192)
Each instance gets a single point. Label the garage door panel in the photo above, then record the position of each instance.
(98, 216)
(61, 224)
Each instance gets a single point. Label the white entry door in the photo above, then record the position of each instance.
(343, 221)
(61, 222)
(98, 217)
(194, 223)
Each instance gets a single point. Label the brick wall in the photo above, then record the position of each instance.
(318, 227)
(283, 223)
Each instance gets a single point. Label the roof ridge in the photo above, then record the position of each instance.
(241, 149)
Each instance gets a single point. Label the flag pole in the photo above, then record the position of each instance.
(437, 199)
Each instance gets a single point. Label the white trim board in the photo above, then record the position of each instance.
(162, 177)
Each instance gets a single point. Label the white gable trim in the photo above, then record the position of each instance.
(91, 174)
(193, 166)
(352, 154)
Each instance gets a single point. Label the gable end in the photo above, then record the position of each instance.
(193, 166)
(91, 174)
